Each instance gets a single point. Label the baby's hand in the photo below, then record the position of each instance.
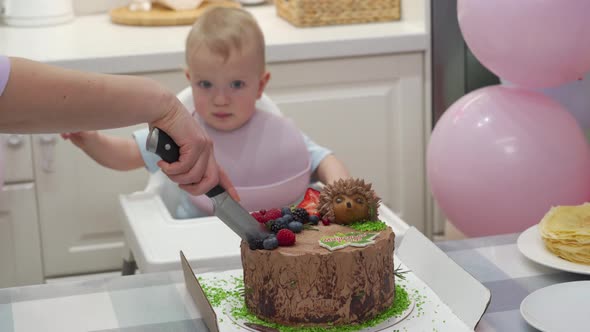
(80, 138)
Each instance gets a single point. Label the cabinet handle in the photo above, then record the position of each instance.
(15, 140)
(47, 143)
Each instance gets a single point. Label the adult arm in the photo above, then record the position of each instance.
(42, 98)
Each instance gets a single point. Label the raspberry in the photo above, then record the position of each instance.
(259, 217)
(326, 221)
(273, 214)
(286, 238)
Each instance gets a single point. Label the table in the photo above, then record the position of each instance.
(497, 263)
(160, 302)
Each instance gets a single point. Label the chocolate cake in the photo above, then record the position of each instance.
(309, 285)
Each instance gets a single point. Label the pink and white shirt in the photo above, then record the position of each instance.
(4, 72)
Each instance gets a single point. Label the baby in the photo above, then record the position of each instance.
(225, 55)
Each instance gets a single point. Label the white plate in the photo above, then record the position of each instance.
(560, 307)
(531, 245)
(383, 326)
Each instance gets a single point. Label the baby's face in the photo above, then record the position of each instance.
(225, 92)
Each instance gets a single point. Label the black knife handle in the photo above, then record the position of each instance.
(167, 149)
(215, 191)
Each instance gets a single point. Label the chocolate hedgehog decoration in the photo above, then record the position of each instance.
(349, 200)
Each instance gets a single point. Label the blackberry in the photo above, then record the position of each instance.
(255, 244)
(301, 215)
(276, 227)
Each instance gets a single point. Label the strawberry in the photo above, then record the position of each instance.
(286, 237)
(310, 202)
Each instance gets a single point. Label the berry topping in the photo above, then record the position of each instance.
(273, 214)
(314, 220)
(286, 237)
(259, 217)
(310, 201)
(286, 211)
(301, 215)
(256, 244)
(296, 226)
(270, 243)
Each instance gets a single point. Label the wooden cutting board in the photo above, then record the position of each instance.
(162, 16)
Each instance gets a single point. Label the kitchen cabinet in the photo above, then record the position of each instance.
(20, 245)
(78, 206)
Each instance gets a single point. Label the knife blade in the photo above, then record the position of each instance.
(224, 206)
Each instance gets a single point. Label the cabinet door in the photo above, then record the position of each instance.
(78, 206)
(369, 111)
(20, 252)
(19, 160)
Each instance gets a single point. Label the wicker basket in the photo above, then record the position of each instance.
(306, 13)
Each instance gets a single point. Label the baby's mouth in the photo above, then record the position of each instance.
(222, 115)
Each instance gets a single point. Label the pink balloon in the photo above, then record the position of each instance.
(500, 157)
(532, 43)
(574, 96)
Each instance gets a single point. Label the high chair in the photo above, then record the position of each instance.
(154, 237)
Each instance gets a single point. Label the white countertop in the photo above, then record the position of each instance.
(93, 43)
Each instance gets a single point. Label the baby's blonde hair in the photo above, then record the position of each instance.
(223, 31)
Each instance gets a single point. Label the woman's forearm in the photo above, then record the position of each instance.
(43, 98)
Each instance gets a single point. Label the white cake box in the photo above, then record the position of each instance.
(449, 298)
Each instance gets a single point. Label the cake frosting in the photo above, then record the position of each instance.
(308, 285)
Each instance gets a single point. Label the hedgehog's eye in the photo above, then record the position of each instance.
(339, 199)
(360, 200)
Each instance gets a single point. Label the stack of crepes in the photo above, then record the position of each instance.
(566, 232)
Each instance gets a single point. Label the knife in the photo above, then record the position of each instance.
(224, 206)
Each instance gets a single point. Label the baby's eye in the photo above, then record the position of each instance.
(204, 84)
(237, 84)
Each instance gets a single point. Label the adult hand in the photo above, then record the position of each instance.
(196, 170)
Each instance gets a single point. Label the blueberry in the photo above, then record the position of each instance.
(288, 217)
(270, 243)
(282, 222)
(314, 220)
(286, 211)
(296, 226)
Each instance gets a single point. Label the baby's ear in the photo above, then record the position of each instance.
(187, 74)
(263, 82)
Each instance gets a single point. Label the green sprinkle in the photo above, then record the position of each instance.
(365, 226)
(232, 293)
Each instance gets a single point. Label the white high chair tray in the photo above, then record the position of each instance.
(155, 238)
